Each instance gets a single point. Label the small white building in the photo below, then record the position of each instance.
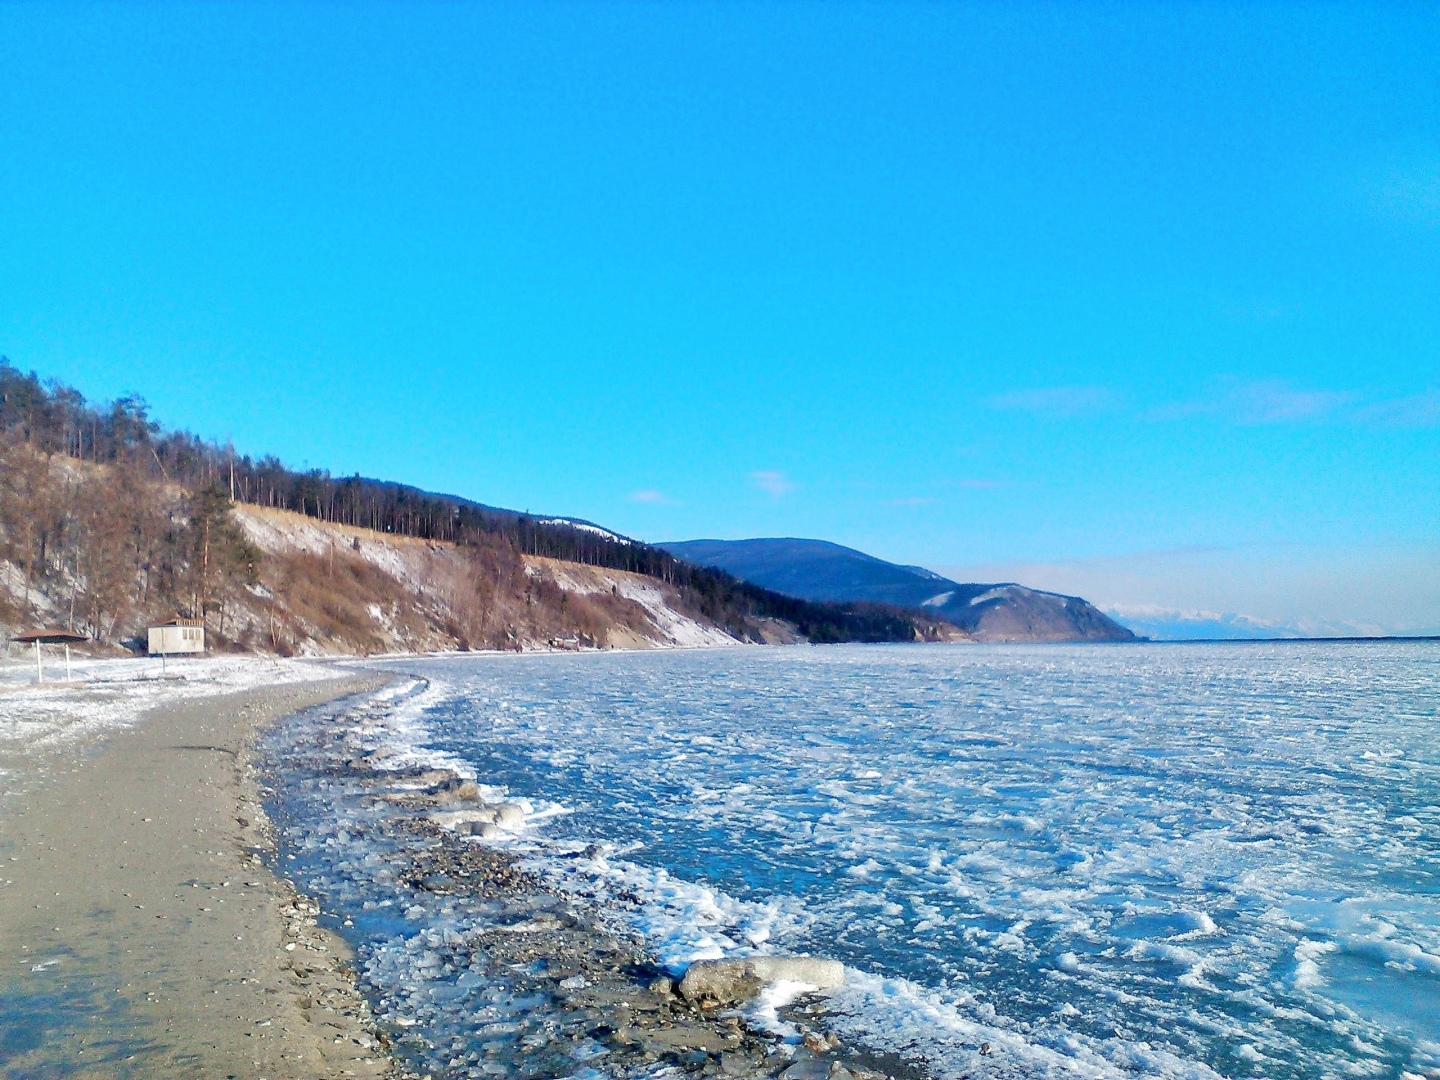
(177, 637)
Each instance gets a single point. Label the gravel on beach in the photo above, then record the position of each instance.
(569, 991)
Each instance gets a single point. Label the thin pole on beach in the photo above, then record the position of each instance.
(39, 667)
(67, 662)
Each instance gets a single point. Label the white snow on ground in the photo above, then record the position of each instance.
(12, 582)
(584, 527)
(107, 694)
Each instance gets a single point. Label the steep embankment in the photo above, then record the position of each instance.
(660, 618)
(328, 588)
(822, 571)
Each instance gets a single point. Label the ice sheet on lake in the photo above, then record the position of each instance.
(1152, 860)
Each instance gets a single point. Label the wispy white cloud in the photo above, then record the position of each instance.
(913, 500)
(1416, 410)
(1278, 402)
(1409, 193)
(772, 483)
(1058, 401)
(1275, 402)
(1268, 402)
(654, 498)
(1234, 401)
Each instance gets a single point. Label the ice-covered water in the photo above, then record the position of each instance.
(1178, 860)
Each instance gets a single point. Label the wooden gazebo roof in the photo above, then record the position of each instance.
(50, 637)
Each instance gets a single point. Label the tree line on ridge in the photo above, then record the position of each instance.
(147, 526)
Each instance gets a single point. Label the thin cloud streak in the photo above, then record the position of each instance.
(1260, 403)
(1417, 410)
(650, 497)
(1058, 401)
(772, 483)
(1270, 402)
(1275, 402)
(980, 485)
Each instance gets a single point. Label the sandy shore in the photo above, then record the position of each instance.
(140, 933)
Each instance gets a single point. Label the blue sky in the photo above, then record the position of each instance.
(1136, 300)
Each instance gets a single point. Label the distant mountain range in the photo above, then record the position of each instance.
(1173, 624)
(820, 570)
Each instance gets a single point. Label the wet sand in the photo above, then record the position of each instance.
(140, 933)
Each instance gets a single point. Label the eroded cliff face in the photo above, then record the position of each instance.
(661, 619)
(335, 588)
(313, 588)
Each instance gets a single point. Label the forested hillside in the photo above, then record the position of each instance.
(823, 571)
(108, 522)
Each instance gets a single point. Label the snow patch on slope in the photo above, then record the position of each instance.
(675, 629)
(402, 557)
(1000, 592)
(585, 526)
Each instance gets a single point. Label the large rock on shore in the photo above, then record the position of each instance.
(486, 820)
(736, 981)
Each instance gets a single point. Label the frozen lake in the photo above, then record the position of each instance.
(1176, 860)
